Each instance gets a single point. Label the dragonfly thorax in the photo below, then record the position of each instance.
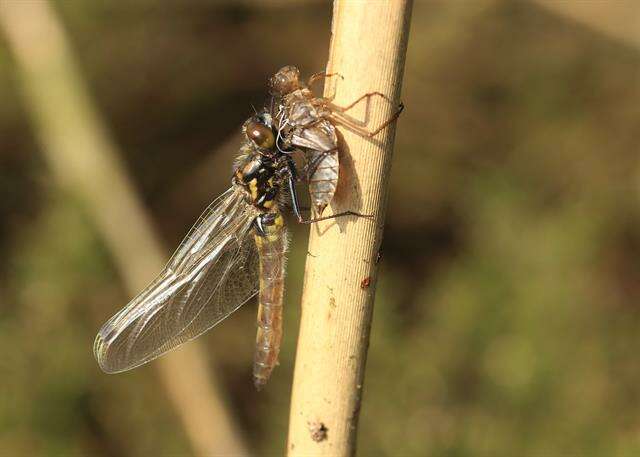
(260, 178)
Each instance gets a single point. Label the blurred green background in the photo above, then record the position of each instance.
(508, 306)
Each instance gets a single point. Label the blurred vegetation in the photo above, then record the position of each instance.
(508, 304)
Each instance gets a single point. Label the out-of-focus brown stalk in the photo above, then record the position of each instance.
(84, 159)
(368, 48)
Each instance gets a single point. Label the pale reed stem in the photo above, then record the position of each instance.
(368, 48)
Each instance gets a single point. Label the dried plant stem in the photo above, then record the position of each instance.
(368, 48)
(85, 160)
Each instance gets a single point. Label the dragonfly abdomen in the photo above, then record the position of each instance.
(271, 240)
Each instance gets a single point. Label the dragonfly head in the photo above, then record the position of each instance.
(285, 81)
(259, 129)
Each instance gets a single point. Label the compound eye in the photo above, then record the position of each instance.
(261, 135)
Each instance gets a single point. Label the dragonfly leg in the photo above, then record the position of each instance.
(296, 207)
(291, 181)
(334, 216)
(367, 96)
(321, 75)
(363, 131)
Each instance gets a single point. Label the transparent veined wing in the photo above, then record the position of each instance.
(211, 274)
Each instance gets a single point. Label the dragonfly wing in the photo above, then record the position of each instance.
(211, 274)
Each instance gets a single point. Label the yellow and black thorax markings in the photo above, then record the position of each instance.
(258, 177)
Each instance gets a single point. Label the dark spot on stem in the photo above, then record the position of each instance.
(318, 431)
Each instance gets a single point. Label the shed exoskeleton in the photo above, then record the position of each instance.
(307, 122)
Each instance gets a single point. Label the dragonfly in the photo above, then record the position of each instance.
(236, 250)
(307, 122)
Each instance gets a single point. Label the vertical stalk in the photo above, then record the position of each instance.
(368, 48)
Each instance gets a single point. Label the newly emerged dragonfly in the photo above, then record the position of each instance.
(235, 250)
(307, 121)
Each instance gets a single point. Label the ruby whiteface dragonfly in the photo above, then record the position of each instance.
(236, 250)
